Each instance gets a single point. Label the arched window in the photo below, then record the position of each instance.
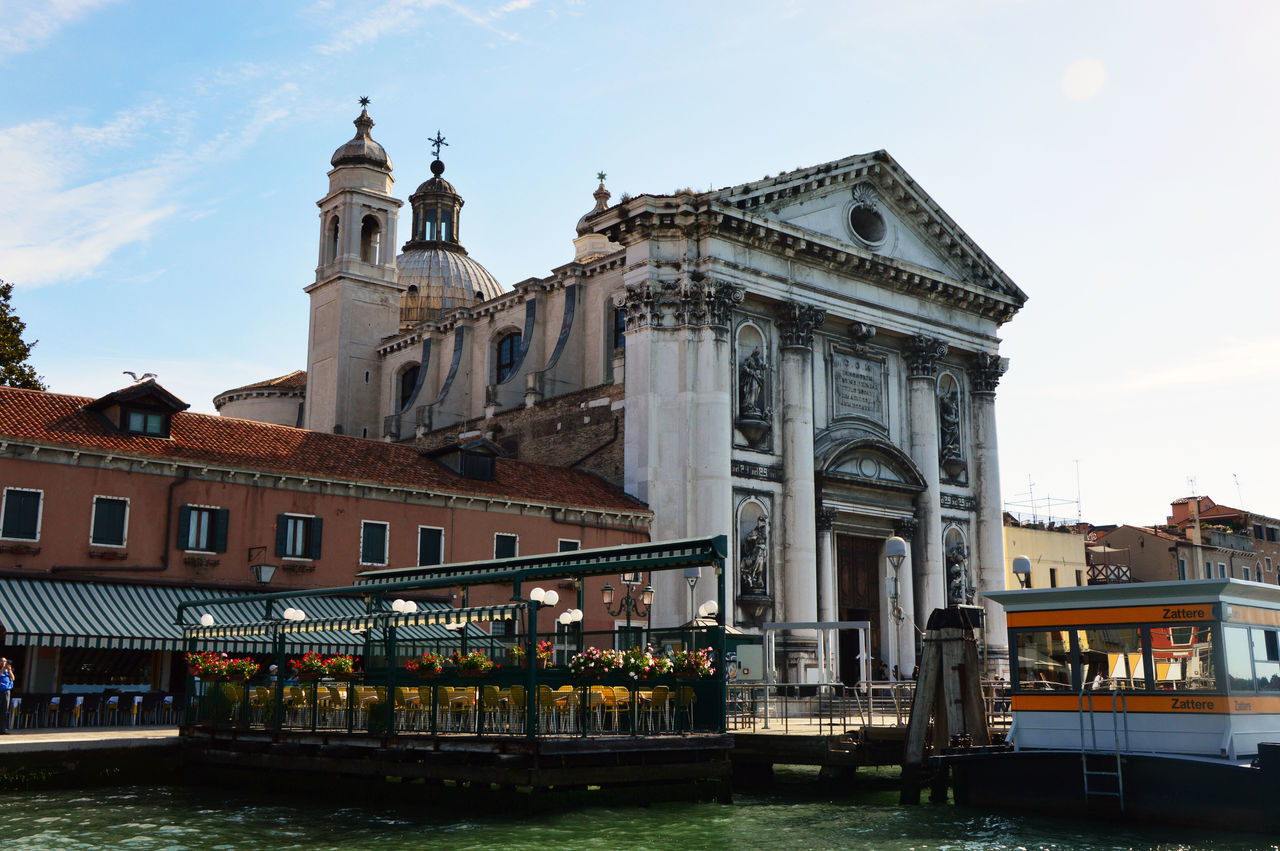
(408, 381)
(331, 243)
(371, 240)
(507, 354)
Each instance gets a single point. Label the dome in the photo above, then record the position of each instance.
(362, 150)
(443, 278)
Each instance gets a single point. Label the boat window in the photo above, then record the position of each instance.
(1112, 658)
(1266, 659)
(1044, 660)
(1235, 643)
(1183, 657)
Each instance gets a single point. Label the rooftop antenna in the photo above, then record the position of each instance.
(1191, 481)
(1031, 494)
(1239, 498)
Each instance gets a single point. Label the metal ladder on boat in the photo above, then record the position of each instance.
(1119, 714)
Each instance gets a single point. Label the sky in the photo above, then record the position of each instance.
(161, 164)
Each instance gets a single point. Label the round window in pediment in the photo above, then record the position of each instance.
(867, 224)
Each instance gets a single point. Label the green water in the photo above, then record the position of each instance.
(795, 815)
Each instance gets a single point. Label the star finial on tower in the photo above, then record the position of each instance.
(364, 101)
(600, 176)
(437, 142)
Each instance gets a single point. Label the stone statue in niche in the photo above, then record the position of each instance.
(949, 425)
(753, 399)
(751, 378)
(959, 590)
(754, 559)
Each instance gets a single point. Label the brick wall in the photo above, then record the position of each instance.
(559, 431)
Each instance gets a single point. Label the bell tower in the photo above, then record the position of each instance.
(355, 300)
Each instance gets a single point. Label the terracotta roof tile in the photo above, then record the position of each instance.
(294, 380)
(53, 419)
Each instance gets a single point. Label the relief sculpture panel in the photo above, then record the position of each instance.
(858, 388)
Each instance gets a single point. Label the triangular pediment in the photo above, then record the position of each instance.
(870, 203)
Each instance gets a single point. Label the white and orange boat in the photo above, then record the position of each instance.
(1152, 700)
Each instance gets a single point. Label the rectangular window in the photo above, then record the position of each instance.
(149, 423)
(1044, 660)
(1183, 657)
(430, 546)
(1268, 564)
(1053, 577)
(1257, 531)
(1113, 658)
(627, 637)
(1182, 568)
(1271, 533)
(1222, 570)
(203, 528)
(569, 546)
(373, 542)
(110, 519)
(1235, 643)
(298, 536)
(1245, 571)
(21, 515)
(505, 546)
(1266, 659)
(1208, 570)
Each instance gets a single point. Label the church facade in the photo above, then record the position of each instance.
(807, 363)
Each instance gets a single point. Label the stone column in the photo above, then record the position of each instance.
(828, 601)
(799, 560)
(984, 375)
(922, 400)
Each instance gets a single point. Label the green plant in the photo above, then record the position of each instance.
(242, 669)
(310, 665)
(692, 663)
(427, 663)
(207, 665)
(640, 662)
(473, 662)
(340, 665)
(594, 662)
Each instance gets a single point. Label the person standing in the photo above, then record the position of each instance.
(6, 686)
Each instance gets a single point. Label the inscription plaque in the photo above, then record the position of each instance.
(857, 387)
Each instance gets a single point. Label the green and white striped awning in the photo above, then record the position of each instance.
(128, 616)
(423, 625)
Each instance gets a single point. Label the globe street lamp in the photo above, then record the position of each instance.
(629, 603)
(895, 552)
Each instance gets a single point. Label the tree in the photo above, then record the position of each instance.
(14, 369)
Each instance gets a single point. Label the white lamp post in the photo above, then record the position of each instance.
(895, 552)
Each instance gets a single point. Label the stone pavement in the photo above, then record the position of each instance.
(66, 739)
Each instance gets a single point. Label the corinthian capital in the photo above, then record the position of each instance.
(798, 322)
(985, 372)
(923, 356)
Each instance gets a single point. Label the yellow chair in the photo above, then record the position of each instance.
(686, 697)
(657, 712)
(516, 705)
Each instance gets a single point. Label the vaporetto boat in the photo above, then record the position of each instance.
(1148, 700)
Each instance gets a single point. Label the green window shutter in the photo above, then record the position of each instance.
(184, 526)
(504, 546)
(282, 534)
(108, 521)
(373, 543)
(221, 517)
(21, 515)
(430, 547)
(313, 545)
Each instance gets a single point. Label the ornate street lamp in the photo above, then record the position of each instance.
(895, 552)
(629, 603)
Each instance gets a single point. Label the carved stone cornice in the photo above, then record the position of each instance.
(985, 372)
(797, 322)
(905, 527)
(923, 356)
(679, 304)
(826, 518)
(860, 334)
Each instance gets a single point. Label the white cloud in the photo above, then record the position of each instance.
(363, 25)
(1084, 79)
(59, 227)
(25, 25)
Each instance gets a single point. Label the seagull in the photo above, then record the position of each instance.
(136, 379)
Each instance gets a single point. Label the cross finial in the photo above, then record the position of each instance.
(600, 176)
(364, 101)
(437, 142)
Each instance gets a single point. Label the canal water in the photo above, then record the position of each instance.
(799, 813)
